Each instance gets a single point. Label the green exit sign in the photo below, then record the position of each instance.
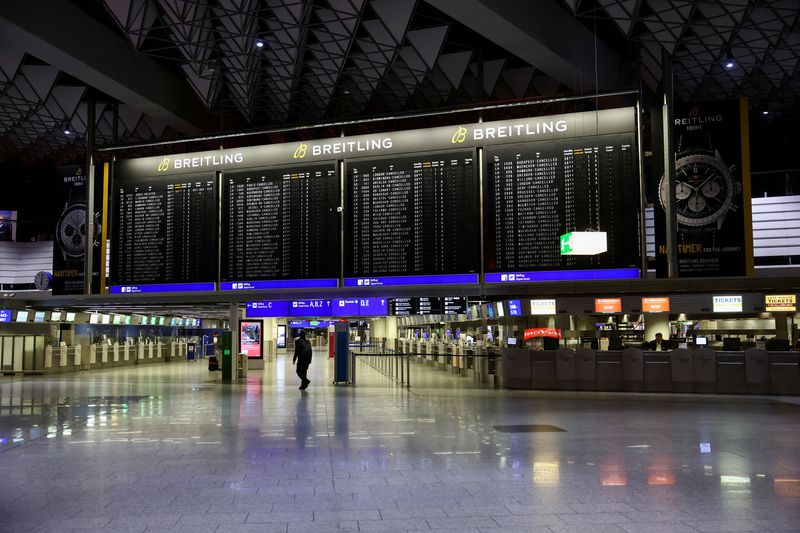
(566, 244)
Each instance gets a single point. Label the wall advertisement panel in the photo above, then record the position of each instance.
(712, 191)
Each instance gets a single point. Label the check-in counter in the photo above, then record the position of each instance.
(731, 376)
(565, 369)
(543, 368)
(754, 371)
(609, 370)
(632, 370)
(657, 367)
(586, 369)
(681, 370)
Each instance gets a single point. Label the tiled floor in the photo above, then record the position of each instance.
(166, 448)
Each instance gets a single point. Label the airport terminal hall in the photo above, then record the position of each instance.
(467, 266)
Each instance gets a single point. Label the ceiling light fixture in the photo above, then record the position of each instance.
(765, 112)
(259, 44)
(730, 63)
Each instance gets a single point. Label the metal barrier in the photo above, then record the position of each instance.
(22, 354)
(396, 365)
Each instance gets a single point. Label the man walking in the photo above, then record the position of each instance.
(302, 357)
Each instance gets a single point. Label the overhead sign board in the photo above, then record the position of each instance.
(543, 307)
(780, 303)
(655, 305)
(532, 333)
(728, 304)
(608, 305)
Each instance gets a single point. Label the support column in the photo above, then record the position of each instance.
(656, 323)
(669, 167)
(234, 320)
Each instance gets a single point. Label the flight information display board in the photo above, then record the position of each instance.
(165, 234)
(537, 191)
(412, 220)
(280, 228)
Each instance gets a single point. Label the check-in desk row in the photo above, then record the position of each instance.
(702, 370)
(64, 358)
(475, 363)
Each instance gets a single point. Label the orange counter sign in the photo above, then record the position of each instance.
(781, 302)
(608, 305)
(655, 305)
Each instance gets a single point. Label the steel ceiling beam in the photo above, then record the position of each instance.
(65, 37)
(546, 36)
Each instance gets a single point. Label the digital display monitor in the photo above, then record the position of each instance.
(173, 322)
(250, 338)
(94, 318)
(296, 204)
(70, 317)
(164, 231)
(701, 341)
(514, 308)
(512, 341)
(454, 305)
(38, 316)
(55, 316)
(5, 315)
(144, 321)
(489, 311)
(105, 319)
(22, 316)
(500, 309)
(117, 319)
(427, 228)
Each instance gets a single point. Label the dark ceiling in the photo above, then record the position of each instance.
(182, 68)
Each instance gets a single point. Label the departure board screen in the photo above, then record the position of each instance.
(165, 233)
(537, 191)
(280, 224)
(414, 216)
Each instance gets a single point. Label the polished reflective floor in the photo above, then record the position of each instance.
(169, 448)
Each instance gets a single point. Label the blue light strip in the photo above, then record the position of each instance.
(279, 284)
(163, 287)
(394, 281)
(563, 275)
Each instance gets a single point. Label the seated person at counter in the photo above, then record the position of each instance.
(659, 344)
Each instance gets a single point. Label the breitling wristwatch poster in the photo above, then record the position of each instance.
(70, 232)
(712, 191)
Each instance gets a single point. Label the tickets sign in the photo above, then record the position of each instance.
(780, 302)
(543, 307)
(532, 333)
(727, 304)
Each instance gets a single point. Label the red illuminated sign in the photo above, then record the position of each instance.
(532, 333)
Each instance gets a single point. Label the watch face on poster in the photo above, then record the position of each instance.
(704, 190)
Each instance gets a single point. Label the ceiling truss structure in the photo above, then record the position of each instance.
(760, 40)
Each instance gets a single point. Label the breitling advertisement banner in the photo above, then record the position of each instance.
(712, 191)
(70, 233)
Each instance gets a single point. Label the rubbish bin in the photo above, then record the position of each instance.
(516, 368)
(632, 370)
(784, 373)
(681, 370)
(586, 369)
(704, 370)
(609, 371)
(731, 377)
(756, 366)
(565, 369)
(657, 373)
(544, 369)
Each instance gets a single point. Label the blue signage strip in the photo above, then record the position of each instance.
(5, 315)
(563, 275)
(394, 281)
(373, 306)
(345, 307)
(268, 308)
(310, 308)
(162, 287)
(279, 284)
(514, 308)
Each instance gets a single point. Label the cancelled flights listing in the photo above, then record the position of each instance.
(412, 220)
(165, 234)
(280, 228)
(537, 191)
